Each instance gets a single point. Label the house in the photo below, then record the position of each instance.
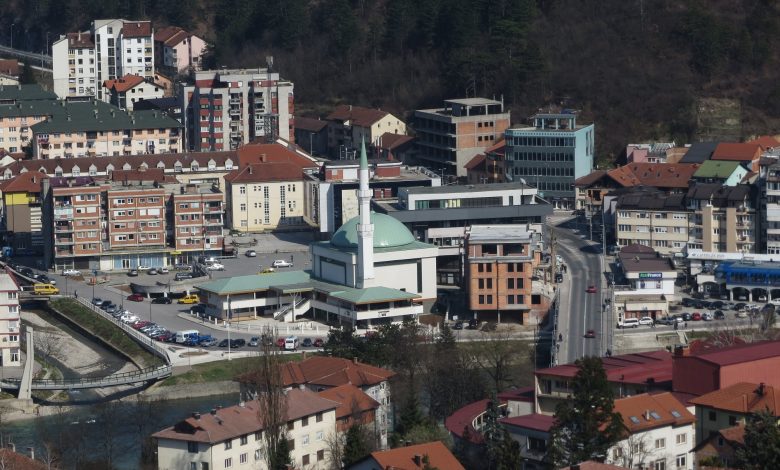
(356, 407)
(651, 218)
(649, 153)
(349, 125)
(178, 51)
(312, 134)
(125, 91)
(488, 167)
(721, 446)
(725, 172)
(532, 432)
(745, 153)
(650, 284)
(415, 457)
(732, 405)
(723, 218)
(21, 215)
(233, 436)
(396, 147)
(699, 152)
(659, 433)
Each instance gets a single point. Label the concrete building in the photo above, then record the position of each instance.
(349, 125)
(125, 91)
(660, 433)
(21, 107)
(532, 432)
(9, 72)
(450, 136)
(488, 167)
(93, 128)
(652, 218)
(21, 213)
(723, 218)
(112, 48)
(226, 108)
(312, 134)
(233, 436)
(648, 285)
(196, 219)
(177, 51)
(500, 264)
(550, 154)
(10, 323)
(770, 208)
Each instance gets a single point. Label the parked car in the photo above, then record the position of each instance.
(307, 343)
(458, 325)
(740, 306)
(71, 272)
(686, 316)
(319, 342)
(45, 279)
(646, 321)
(591, 289)
(688, 302)
(280, 342)
(111, 309)
(208, 260)
(665, 321)
(152, 271)
(280, 263)
(132, 273)
(189, 299)
(696, 316)
(473, 324)
(707, 316)
(209, 342)
(182, 267)
(719, 315)
(163, 270)
(105, 303)
(590, 334)
(741, 314)
(161, 300)
(97, 301)
(238, 343)
(215, 267)
(251, 254)
(628, 323)
(143, 267)
(140, 324)
(135, 297)
(254, 341)
(223, 344)
(182, 276)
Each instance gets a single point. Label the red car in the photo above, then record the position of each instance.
(696, 316)
(140, 324)
(135, 297)
(318, 343)
(280, 343)
(590, 334)
(591, 290)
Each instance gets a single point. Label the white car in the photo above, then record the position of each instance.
(215, 267)
(210, 260)
(163, 270)
(143, 267)
(280, 263)
(71, 272)
(251, 254)
(648, 321)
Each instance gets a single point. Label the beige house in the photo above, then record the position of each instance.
(232, 437)
(723, 218)
(349, 125)
(652, 219)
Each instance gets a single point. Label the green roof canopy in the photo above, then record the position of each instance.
(253, 283)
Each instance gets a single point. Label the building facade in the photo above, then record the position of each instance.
(771, 209)
(550, 154)
(450, 136)
(723, 218)
(349, 125)
(196, 219)
(21, 107)
(10, 323)
(21, 213)
(653, 219)
(227, 108)
(178, 51)
(125, 91)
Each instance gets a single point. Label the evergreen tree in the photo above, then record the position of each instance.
(762, 443)
(280, 457)
(411, 415)
(586, 425)
(357, 445)
(508, 453)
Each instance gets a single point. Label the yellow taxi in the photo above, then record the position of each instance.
(190, 299)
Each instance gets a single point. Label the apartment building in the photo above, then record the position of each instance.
(229, 107)
(652, 218)
(233, 436)
(349, 125)
(93, 128)
(550, 154)
(75, 224)
(196, 218)
(178, 51)
(770, 207)
(125, 91)
(488, 167)
(660, 433)
(22, 106)
(356, 408)
(450, 136)
(21, 212)
(723, 218)
(649, 284)
(10, 324)
(136, 220)
(500, 264)
(112, 48)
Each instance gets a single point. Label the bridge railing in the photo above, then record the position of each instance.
(120, 378)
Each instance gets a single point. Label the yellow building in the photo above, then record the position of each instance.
(22, 211)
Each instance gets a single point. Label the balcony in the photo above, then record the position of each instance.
(213, 221)
(212, 209)
(63, 252)
(234, 112)
(235, 101)
(63, 212)
(60, 227)
(63, 240)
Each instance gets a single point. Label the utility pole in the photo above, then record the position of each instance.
(553, 259)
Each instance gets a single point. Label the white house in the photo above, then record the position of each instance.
(649, 283)
(660, 433)
(125, 91)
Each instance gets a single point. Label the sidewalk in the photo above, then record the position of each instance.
(261, 325)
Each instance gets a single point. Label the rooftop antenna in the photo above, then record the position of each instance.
(269, 59)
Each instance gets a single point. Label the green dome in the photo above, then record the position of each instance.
(388, 232)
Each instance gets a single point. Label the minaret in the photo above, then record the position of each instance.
(365, 227)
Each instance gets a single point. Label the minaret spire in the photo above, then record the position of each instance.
(365, 227)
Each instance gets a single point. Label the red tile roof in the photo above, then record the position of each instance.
(276, 153)
(737, 152)
(29, 182)
(645, 411)
(499, 147)
(310, 124)
(358, 115)
(734, 434)
(743, 398)
(123, 84)
(391, 141)
(80, 40)
(234, 421)
(766, 142)
(537, 422)
(638, 368)
(524, 394)
(262, 172)
(329, 372)
(136, 29)
(740, 353)
(475, 162)
(150, 175)
(351, 400)
(462, 419)
(588, 180)
(403, 458)
(170, 35)
(658, 175)
(9, 67)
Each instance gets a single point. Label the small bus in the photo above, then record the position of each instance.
(291, 343)
(185, 335)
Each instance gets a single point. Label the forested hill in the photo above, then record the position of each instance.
(636, 67)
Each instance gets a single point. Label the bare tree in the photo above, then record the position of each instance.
(272, 405)
(495, 354)
(633, 451)
(48, 343)
(335, 442)
(49, 456)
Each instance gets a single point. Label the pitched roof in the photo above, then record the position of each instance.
(699, 152)
(29, 182)
(276, 153)
(766, 142)
(403, 458)
(716, 169)
(358, 115)
(150, 175)
(391, 141)
(734, 434)
(261, 172)
(253, 282)
(310, 124)
(475, 162)
(123, 84)
(587, 180)
(9, 67)
(632, 260)
(170, 35)
(27, 93)
(95, 115)
(332, 372)
(720, 195)
(369, 295)
(637, 368)
(657, 175)
(463, 417)
(227, 423)
(742, 397)
(645, 411)
(499, 147)
(535, 421)
(651, 199)
(736, 151)
(137, 29)
(351, 399)
(80, 40)
(592, 465)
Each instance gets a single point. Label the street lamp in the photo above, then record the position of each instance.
(12, 35)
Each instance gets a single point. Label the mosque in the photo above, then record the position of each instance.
(372, 271)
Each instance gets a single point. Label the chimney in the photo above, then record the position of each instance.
(250, 169)
(31, 451)
(301, 387)
(647, 415)
(241, 404)
(418, 460)
(263, 158)
(196, 415)
(354, 360)
(760, 390)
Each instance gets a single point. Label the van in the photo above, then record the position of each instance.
(45, 289)
(629, 323)
(182, 276)
(190, 299)
(187, 335)
(291, 343)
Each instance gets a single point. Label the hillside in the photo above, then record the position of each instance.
(639, 68)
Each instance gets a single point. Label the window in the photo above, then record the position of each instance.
(228, 462)
(204, 466)
(481, 300)
(319, 436)
(305, 459)
(258, 455)
(243, 458)
(320, 455)
(510, 283)
(291, 426)
(319, 417)
(291, 444)
(258, 435)
(681, 438)
(244, 439)
(732, 420)
(305, 421)
(660, 443)
(242, 189)
(193, 466)
(659, 465)
(228, 444)
(305, 440)
(192, 447)
(680, 461)
(712, 416)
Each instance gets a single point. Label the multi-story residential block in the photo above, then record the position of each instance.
(178, 51)
(196, 218)
(723, 218)
(349, 125)
(21, 212)
(649, 284)
(10, 323)
(136, 219)
(75, 225)
(500, 264)
(93, 128)
(22, 106)
(652, 218)
(232, 437)
(770, 208)
(112, 48)
(125, 91)
(550, 154)
(450, 136)
(227, 108)
(660, 433)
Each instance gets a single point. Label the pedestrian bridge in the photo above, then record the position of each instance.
(149, 374)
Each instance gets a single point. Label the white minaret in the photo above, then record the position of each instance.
(365, 227)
